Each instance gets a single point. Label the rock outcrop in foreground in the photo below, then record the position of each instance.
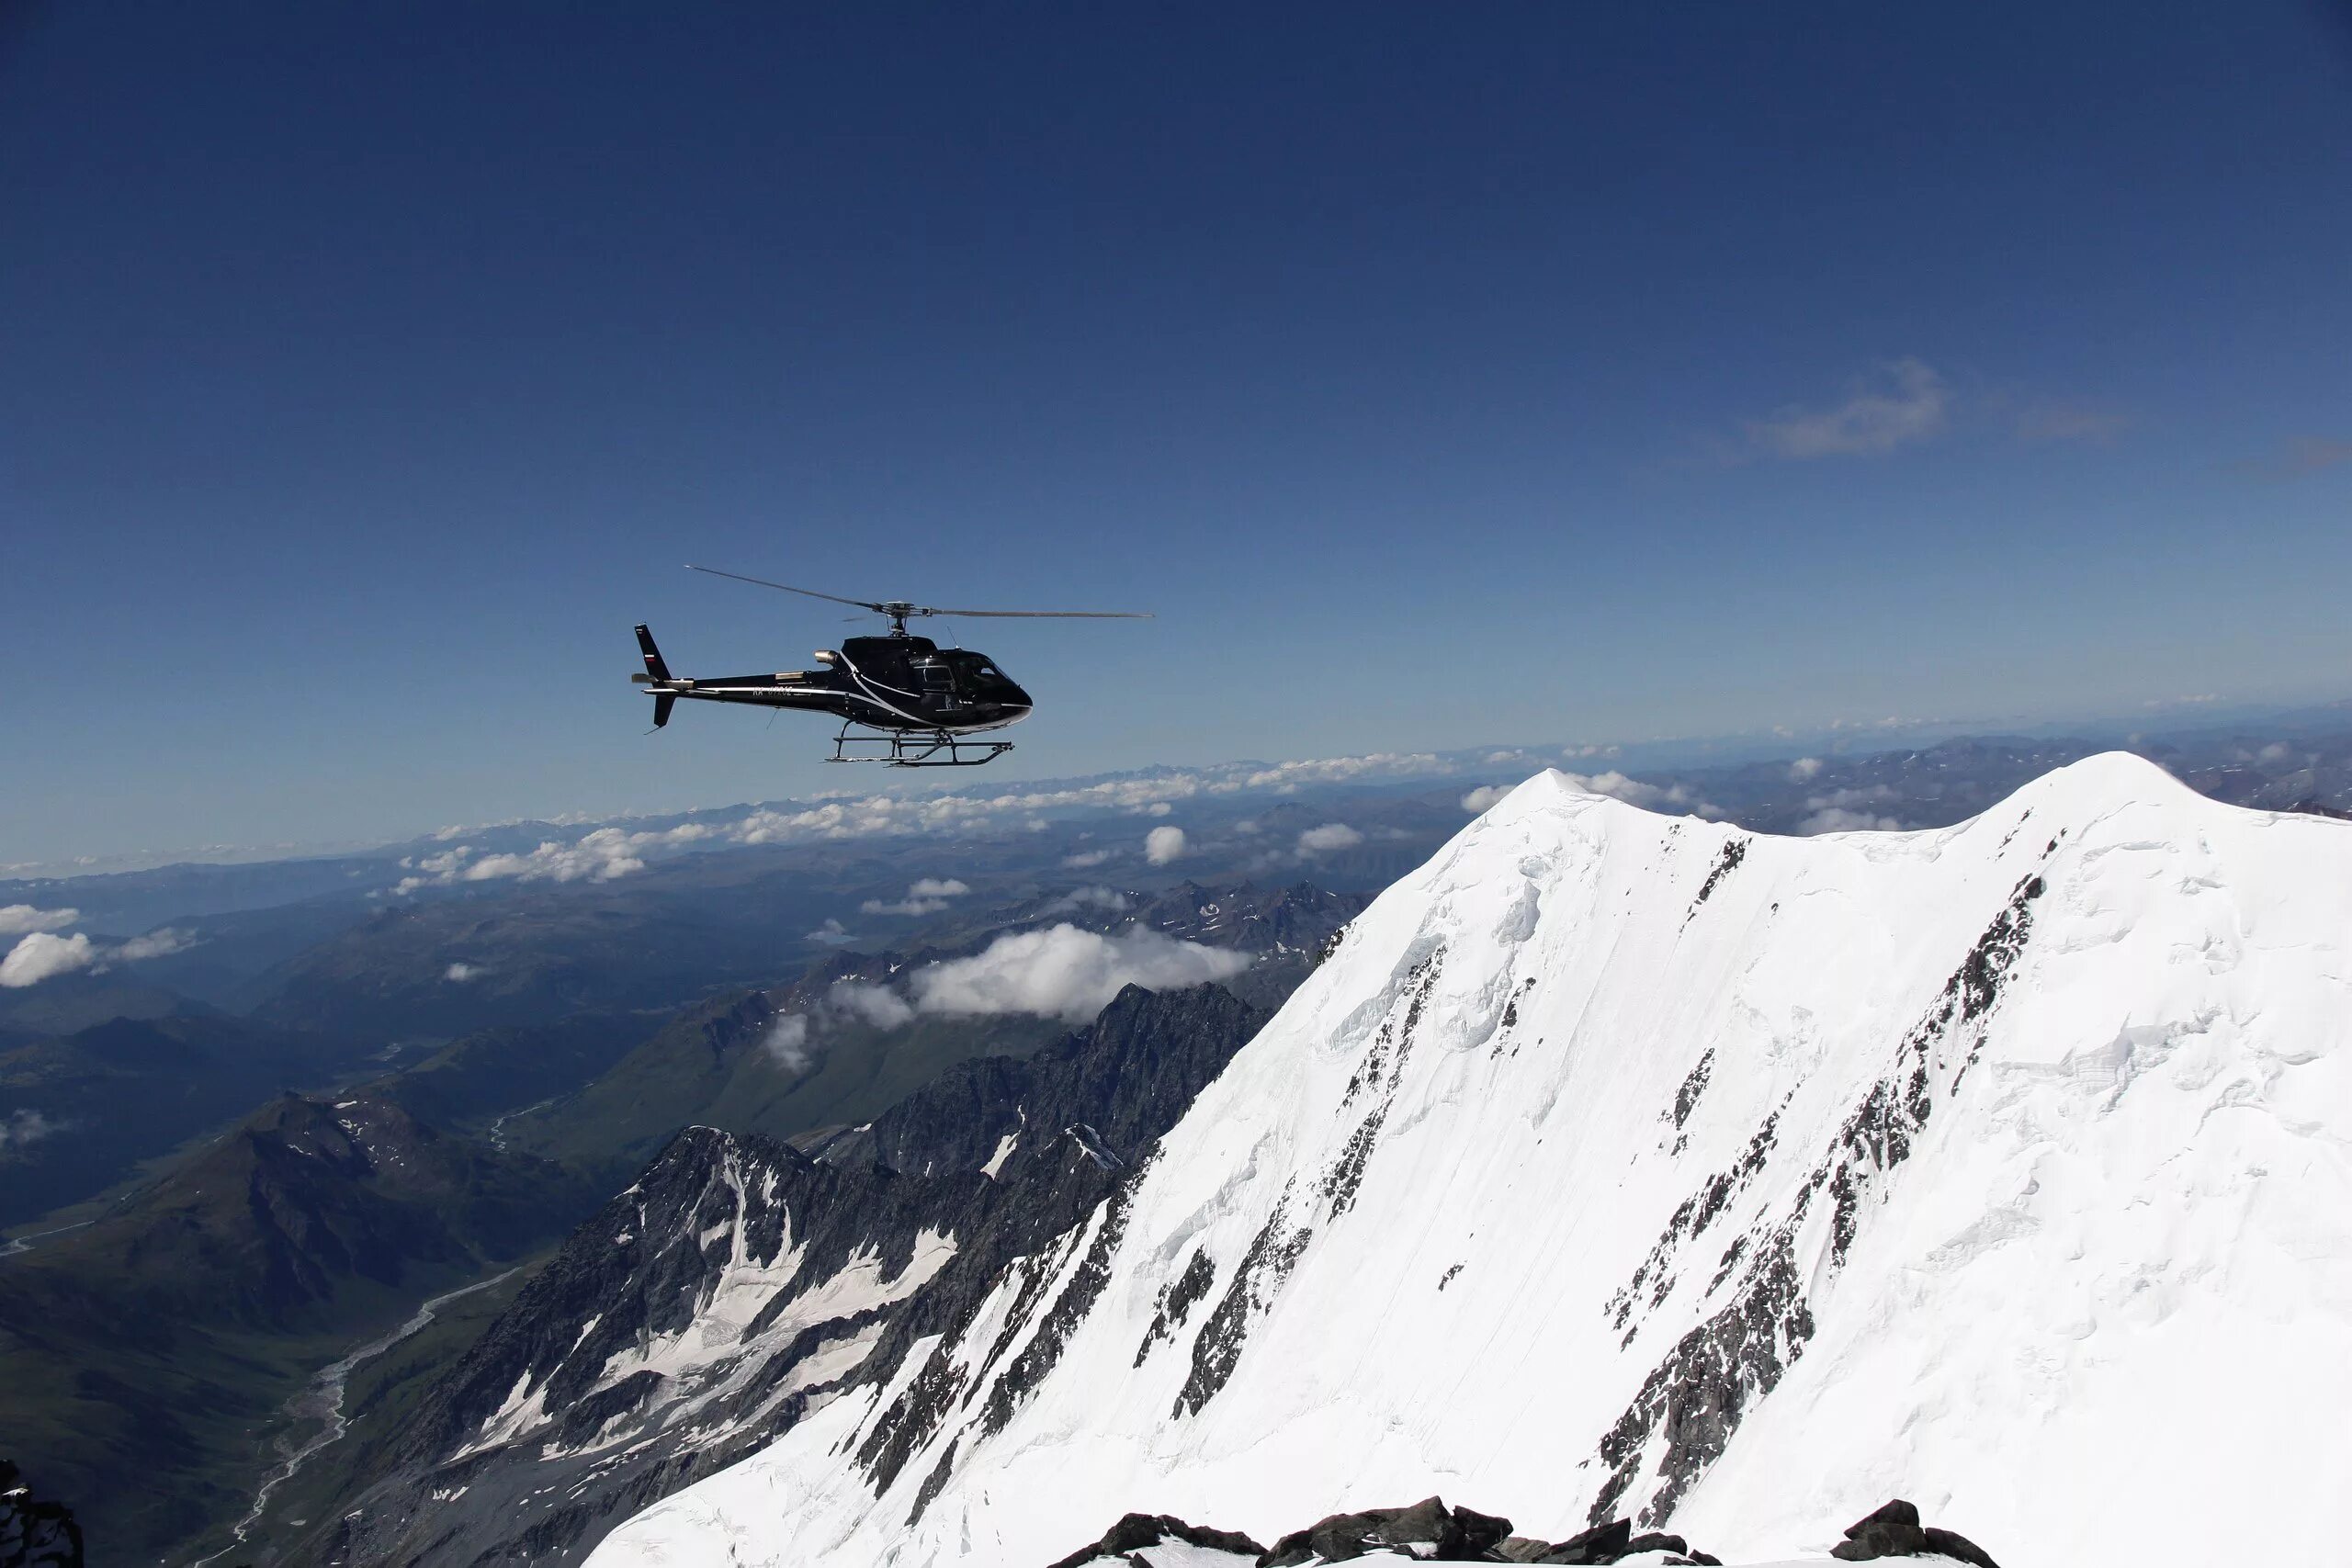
(1428, 1531)
(35, 1533)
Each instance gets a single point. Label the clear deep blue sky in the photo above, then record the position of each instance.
(1439, 375)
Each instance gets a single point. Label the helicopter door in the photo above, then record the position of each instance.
(939, 686)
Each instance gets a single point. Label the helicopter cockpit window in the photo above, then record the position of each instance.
(974, 664)
(936, 678)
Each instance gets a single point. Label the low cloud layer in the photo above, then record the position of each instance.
(1059, 971)
(22, 919)
(1162, 845)
(787, 1041)
(44, 955)
(1329, 837)
(1648, 796)
(1108, 899)
(926, 896)
(1850, 810)
(609, 853)
(1064, 972)
(1841, 819)
(600, 856)
(1485, 797)
(26, 1127)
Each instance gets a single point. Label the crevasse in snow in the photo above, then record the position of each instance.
(1620, 1163)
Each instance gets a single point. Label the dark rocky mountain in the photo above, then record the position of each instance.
(35, 1533)
(1110, 1077)
(142, 1356)
(739, 1285)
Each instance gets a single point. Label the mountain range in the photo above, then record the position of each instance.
(895, 1149)
(1617, 1166)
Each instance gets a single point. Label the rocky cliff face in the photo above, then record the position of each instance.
(741, 1285)
(1617, 1168)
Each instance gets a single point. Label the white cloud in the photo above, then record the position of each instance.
(458, 973)
(158, 943)
(1330, 835)
(1483, 797)
(1063, 972)
(1904, 401)
(1086, 859)
(1582, 753)
(787, 1041)
(20, 920)
(1159, 809)
(1839, 819)
(1163, 844)
(876, 1005)
(1078, 898)
(600, 856)
(2277, 752)
(1631, 791)
(927, 897)
(42, 956)
(1648, 796)
(832, 933)
(1284, 776)
(1804, 769)
(24, 1127)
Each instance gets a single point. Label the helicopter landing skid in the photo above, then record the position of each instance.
(904, 749)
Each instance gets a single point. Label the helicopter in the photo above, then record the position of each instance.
(903, 700)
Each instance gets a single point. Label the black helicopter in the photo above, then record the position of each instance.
(919, 701)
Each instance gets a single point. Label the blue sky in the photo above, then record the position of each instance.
(1438, 374)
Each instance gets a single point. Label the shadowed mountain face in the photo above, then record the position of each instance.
(1111, 1077)
(740, 1284)
(139, 1352)
(100, 1100)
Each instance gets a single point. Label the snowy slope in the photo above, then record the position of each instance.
(1622, 1164)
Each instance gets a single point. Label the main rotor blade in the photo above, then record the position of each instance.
(764, 582)
(1049, 615)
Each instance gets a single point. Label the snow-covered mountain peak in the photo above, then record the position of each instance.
(1618, 1164)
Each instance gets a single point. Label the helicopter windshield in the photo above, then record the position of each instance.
(977, 667)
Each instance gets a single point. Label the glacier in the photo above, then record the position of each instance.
(1619, 1163)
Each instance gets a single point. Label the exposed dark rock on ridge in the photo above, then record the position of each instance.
(1111, 1077)
(33, 1533)
(1136, 1531)
(1704, 1385)
(1428, 1532)
(1893, 1529)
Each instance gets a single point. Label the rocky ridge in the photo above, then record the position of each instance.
(740, 1284)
